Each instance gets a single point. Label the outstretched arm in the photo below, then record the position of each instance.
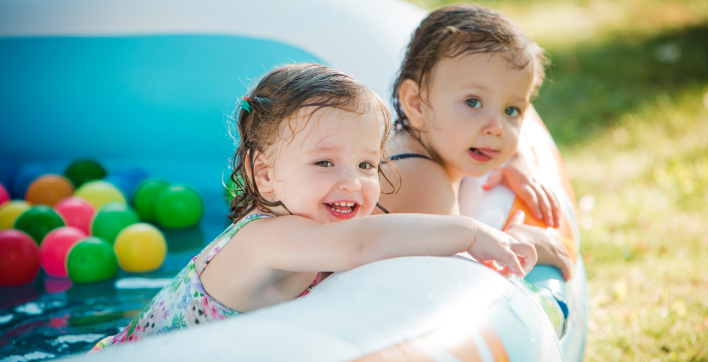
(299, 244)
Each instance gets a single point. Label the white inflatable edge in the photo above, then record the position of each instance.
(404, 298)
(328, 29)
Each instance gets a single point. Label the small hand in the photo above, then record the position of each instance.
(493, 245)
(551, 250)
(521, 176)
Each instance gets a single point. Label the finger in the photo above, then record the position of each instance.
(511, 261)
(527, 255)
(491, 264)
(528, 196)
(566, 268)
(494, 180)
(544, 204)
(555, 205)
(518, 218)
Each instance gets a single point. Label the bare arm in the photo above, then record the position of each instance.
(298, 244)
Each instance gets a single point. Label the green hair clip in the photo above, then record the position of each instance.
(245, 105)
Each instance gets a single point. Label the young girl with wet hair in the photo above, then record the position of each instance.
(461, 96)
(307, 170)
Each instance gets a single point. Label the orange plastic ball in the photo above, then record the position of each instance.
(48, 190)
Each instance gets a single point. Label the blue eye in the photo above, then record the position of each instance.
(324, 163)
(474, 103)
(512, 111)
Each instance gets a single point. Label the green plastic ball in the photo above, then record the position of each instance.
(91, 260)
(178, 207)
(38, 221)
(83, 171)
(111, 219)
(145, 196)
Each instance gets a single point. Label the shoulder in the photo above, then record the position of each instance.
(423, 187)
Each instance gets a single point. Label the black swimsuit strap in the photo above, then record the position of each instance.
(409, 155)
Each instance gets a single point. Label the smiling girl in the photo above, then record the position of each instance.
(312, 140)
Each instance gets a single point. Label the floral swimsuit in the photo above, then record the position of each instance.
(184, 303)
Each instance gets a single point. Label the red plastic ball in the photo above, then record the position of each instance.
(4, 195)
(76, 212)
(19, 258)
(55, 247)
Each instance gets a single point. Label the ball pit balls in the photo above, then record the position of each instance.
(111, 219)
(145, 196)
(19, 258)
(178, 207)
(76, 212)
(83, 171)
(140, 248)
(48, 190)
(38, 221)
(55, 247)
(91, 260)
(99, 193)
(9, 212)
(4, 195)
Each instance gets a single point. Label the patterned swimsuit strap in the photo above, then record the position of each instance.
(226, 236)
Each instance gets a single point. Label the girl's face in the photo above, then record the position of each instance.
(472, 113)
(328, 171)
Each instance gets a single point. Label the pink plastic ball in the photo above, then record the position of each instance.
(76, 212)
(4, 195)
(55, 247)
(19, 257)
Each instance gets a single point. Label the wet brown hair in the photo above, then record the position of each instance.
(465, 29)
(274, 104)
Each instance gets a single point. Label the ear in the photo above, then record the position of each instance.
(409, 95)
(262, 174)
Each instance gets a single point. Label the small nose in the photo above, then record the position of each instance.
(349, 181)
(494, 126)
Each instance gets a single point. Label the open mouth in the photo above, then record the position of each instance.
(483, 154)
(342, 209)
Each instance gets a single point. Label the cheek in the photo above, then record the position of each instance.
(371, 189)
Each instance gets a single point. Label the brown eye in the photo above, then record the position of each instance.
(324, 164)
(366, 165)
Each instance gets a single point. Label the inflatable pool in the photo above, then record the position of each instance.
(147, 84)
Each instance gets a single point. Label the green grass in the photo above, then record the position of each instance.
(627, 102)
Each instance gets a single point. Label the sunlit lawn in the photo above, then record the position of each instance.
(627, 102)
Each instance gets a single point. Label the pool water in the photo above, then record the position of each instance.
(53, 317)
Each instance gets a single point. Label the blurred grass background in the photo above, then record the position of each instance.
(627, 103)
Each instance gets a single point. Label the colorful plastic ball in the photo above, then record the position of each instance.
(23, 178)
(140, 248)
(76, 212)
(55, 247)
(83, 171)
(38, 221)
(178, 207)
(99, 193)
(91, 260)
(111, 219)
(48, 190)
(145, 196)
(4, 195)
(19, 258)
(9, 212)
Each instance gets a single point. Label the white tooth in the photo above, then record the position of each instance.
(336, 203)
(350, 204)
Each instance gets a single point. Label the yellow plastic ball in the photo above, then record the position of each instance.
(99, 193)
(140, 248)
(10, 211)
